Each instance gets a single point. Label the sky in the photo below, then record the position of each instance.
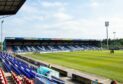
(75, 19)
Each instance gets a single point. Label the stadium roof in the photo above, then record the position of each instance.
(29, 38)
(10, 7)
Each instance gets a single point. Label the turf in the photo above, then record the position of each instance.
(96, 62)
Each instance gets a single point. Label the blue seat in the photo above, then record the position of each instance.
(24, 72)
(22, 68)
(38, 80)
(7, 67)
(15, 69)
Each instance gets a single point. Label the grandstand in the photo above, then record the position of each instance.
(21, 70)
(21, 45)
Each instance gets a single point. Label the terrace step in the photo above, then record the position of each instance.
(9, 78)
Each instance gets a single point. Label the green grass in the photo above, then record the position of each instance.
(96, 62)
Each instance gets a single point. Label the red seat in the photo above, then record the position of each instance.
(27, 81)
(3, 79)
(17, 80)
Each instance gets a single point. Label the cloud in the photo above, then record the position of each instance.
(52, 4)
(66, 19)
(61, 16)
(94, 4)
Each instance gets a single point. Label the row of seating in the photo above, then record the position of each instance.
(16, 79)
(20, 68)
(49, 48)
(27, 81)
(3, 79)
(24, 80)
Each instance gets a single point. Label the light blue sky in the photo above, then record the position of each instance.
(83, 19)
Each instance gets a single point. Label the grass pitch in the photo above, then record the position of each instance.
(96, 62)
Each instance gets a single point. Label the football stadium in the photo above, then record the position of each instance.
(26, 59)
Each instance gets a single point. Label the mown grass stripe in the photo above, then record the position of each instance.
(96, 62)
